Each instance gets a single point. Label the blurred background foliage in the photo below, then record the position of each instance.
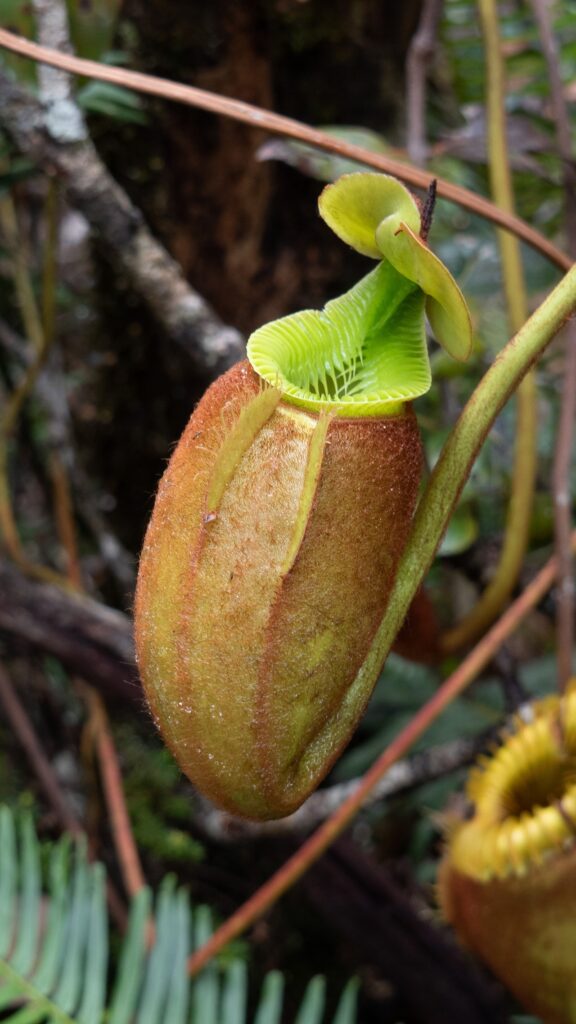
(237, 211)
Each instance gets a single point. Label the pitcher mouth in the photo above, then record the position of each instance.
(524, 797)
(364, 354)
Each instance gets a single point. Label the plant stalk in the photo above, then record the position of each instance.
(565, 436)
(517, 529)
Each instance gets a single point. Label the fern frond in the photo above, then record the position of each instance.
(54, 957)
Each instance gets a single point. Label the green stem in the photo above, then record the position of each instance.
(517, 528)
(459, 453)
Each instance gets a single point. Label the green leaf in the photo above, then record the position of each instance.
(53, 948)
(378, 217)
(461, 533)
(205, 990)
(158, 975)
(132, 961)
(8, 880)
(233, 1009)
(356, 204)
(96, 957)
(313, 1003)
(24, 954)
(445, 305)
(179, 990)
(68, 991)
(65, 981)
(317, 163)
(270, 1009)
(113, 101)
(346, 1011)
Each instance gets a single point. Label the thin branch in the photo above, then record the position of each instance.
(560, 117)
(64, 118)
(111, 774)
(47, 778)
(64, 516)
(19, 109)
(420, 53)
(434, 763)
(564, 443)
(519, 514)
(293, 869)
(91, 640)
(563, 512)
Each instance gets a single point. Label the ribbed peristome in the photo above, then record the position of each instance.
(508, 880)
(524, 797)
(364, 354)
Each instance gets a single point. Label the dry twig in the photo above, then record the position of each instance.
(23, 120)
(32, 747)
(420, 54)
(111, 774)
(91, 640)
(564, 443)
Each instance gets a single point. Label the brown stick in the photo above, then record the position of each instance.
(293, 869)
(16, 101)
(91, 640)
(32, 747)
(64, 515)
(111, 774)
(420, 53)
(564, 443)
(563, 512)
(560, 116)
(47, 779)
